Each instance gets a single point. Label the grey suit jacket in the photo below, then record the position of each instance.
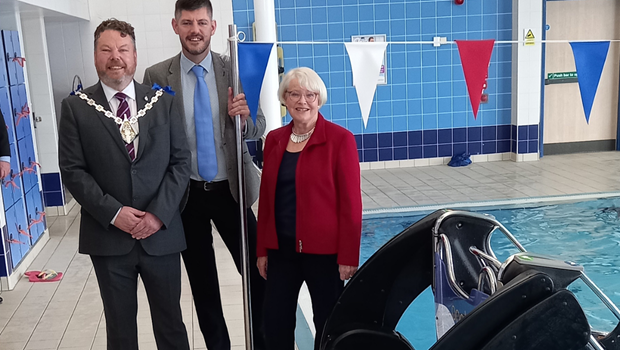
(96, 168)
(168, 72)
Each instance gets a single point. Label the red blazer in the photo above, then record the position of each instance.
(329, 196)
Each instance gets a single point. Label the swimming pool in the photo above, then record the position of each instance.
(586, 232)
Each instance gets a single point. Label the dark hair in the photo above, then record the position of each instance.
(192, 5)
(114, 24)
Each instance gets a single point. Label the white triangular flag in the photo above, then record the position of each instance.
(366, 60)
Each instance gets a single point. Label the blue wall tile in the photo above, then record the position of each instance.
(429, 137)
(385, 154)
(474, 134)
(400, 153)
(370, 141)
(459, 148)
(474, 147)
(426, 89)
(385, 140)
(400, 139)
(430, 151)
(415, 152)
(415, 138)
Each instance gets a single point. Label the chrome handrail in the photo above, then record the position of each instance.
(490, 275)
(443, 240)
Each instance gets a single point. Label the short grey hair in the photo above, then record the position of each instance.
(308, 79)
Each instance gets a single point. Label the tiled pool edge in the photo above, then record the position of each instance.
(481, 205)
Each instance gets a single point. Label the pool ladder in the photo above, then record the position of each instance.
(492, 269)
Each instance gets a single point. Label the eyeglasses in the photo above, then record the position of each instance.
(296, 96)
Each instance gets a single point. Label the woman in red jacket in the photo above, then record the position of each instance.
(310, 210)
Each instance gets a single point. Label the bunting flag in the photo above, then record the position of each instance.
(253, 59)
(475, 59)
(589, 59)
(366, 60)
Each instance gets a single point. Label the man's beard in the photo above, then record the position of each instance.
(197, 51)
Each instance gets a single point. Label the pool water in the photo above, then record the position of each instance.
(587, 233)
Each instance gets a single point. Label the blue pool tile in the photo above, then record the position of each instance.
(532, 131)
(400, 123)
(459, 135)
(53, 199)
(370, 141)
(532, 146)
(399, 139)
(400, 153)
(385, 154)
(503, 146)
(445, 150)
(430, 151)
(474, 134)
(415, 138)
(360, 155)
(430, 137)
(385, 140)
(489, 133)
(489, 147)
(513, 132)
(3, 267)
(459, 148)
(358, 141)
(513, 146)
(503, 132)
(51, 182)
(444, 120)
(444, 136)
(474, 147)
(370, 155)
(415, 152)
(522, 134)
(522, 147)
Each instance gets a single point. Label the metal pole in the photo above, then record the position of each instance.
(245, 263)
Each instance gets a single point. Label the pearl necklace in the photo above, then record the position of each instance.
(127, 132)
(302, 137)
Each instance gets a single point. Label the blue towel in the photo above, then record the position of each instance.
(460, 160)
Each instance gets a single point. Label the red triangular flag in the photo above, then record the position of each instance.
(475, 58)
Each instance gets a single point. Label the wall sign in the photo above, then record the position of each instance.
(375, 38)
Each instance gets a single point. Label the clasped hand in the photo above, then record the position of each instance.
(139, 224)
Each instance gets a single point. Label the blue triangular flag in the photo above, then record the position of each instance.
(589, 60)
(253, 58)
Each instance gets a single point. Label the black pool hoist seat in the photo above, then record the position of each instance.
(481, 303)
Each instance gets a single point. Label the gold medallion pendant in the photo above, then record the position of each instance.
(127, 132)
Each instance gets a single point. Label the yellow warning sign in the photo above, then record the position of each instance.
(529, 38)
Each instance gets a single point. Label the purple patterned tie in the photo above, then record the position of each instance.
(124, 113)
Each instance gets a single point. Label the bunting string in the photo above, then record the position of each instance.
(432, 42)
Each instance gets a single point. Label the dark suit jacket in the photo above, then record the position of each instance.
(5, 150)
(168, 73)
(96, 168)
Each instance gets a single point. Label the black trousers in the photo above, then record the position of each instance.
(118, 284)
(286, 271)
(218, 205)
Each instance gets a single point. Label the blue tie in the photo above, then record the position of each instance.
(203, 119)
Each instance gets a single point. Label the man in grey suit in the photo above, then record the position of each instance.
(123, 155)
(212, 199)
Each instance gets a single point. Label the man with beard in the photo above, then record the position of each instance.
(202, 80)
(123, 155)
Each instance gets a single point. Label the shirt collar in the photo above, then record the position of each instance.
(187, 64)
(109, 92)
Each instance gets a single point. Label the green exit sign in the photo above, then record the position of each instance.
(562, 75)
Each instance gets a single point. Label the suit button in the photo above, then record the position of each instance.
(134, 172)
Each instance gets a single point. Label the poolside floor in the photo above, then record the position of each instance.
(69, 314)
